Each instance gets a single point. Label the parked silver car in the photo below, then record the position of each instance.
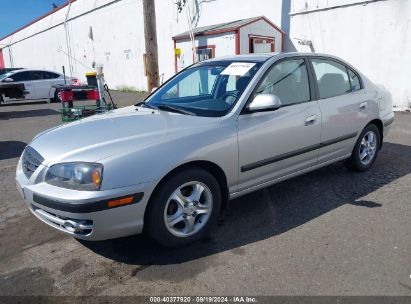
(217, 130)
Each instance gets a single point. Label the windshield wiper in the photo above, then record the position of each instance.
(167, 107)
(145, 105)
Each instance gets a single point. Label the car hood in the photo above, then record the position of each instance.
(114, 132)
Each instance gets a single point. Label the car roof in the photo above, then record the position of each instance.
(262, 57)
(29, 70)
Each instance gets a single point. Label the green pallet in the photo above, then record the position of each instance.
(76, 113)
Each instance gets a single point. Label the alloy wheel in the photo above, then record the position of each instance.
(368, 148)
(188, 209)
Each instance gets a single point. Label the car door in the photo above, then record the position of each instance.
(276, 143)
(41, 84)
(49, 79)
(343, 105)
(25, 78)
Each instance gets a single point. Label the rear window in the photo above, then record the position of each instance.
(332, 78)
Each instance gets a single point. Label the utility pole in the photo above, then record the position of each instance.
(150, 34)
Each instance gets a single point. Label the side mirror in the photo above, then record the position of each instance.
(8, 79)
(264, 102)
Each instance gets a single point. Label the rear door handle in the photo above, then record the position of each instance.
(363, 105)
(310, 120)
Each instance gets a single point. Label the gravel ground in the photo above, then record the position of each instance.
(329, 232)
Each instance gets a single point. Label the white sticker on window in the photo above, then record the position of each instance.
(238, 68)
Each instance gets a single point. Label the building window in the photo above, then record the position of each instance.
(205, 52)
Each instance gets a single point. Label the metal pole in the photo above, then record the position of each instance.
(150, 34)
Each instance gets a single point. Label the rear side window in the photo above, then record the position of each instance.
(288, 80)
(331, 77)
(37, 75)
(354, 80)
(50, 75)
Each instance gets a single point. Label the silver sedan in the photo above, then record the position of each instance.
(217, 130)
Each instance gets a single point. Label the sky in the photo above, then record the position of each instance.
(17, 13)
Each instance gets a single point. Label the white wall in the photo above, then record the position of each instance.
(118, 30)
(376, 38)
(224, 45)
(117, 42)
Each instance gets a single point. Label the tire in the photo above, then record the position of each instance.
(55, 98)
(365, 145)
(190, 217)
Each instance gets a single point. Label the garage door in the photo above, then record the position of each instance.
(261, 45)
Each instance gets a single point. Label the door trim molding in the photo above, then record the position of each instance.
(271, 160)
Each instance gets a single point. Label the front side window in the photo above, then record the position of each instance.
(22, 76)
(206, 90)
(288, 80)
(331, 77)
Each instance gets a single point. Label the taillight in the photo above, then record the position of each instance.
(75, 82)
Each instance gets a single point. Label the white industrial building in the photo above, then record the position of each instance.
(373, 35)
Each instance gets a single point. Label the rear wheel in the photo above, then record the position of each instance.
(366, 149)
(184, 208)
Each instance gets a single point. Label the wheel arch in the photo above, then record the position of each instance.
(208, 166)
(378, 123)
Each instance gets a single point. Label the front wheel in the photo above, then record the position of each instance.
(366, 149)
(184, 208)
(55, 97)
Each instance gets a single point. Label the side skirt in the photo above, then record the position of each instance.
(285, 177)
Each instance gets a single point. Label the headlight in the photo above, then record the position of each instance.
(77, 176)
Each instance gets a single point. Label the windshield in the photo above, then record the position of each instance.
(2, 76)
(207, 89)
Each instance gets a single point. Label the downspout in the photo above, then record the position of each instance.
(11, 52)
(68, 39)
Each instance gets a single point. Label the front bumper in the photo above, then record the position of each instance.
(84, 214)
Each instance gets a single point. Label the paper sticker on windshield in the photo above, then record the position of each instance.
(238, 68)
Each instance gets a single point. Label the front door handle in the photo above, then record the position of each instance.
(363, 105)
(310, 120)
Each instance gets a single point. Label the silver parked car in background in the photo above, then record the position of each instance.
(217, 130)
(38, 83)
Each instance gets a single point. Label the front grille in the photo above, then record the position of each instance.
(31, 161)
